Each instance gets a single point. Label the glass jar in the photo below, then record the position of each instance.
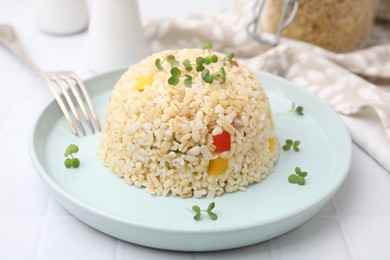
(336, 25)
(383, 11)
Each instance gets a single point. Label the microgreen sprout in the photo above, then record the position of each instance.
(199, 64)
(198, 212)
(175, 76)
(207, 76)
(187, 65)
(296, 109)
(172, 60)
(188, 81)
(298, 177)
(230, 58)
(290, 143)
(207, 46)
(158, 64)
(72, 161)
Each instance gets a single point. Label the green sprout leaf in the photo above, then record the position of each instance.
(196, 208)
(172, 60)
(301, 180)
(214, 58)
(222, 74)
(287, 145)
(199, 68)
(205, 75)
(187, 65)
(188, 80)
(207, 60)
(299, 172)
(75, 162)
(158, 64)
(211, 206)
(173, 80)
(299, 110)
(197, 216)
(68, 163)
(207, 46)
(292, 178)
(175, 72)
(296, 145)
(199, 60)
(230, 58)
(71, 149)
(212, 215)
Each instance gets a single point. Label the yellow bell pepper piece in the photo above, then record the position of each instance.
(142, 81)
(218, 166)
(272, 144)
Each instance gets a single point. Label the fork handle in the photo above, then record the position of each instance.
(10, 41)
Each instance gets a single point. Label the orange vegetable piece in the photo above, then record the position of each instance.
(218, 166)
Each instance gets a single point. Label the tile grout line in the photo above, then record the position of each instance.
(344, 230)
(44, 230)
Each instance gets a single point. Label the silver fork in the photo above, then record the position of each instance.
(59, 82)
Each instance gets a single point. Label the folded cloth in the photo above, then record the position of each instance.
(341, 80)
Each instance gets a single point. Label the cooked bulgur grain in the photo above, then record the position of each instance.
(161, 137)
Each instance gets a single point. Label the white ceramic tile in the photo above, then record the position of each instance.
(319, 238)
(371, 236)
(55, 209)
(14, 152)
(365, 193)
(9, 82)
(5, 107)
(67, 238)
(328, 209)
(23, 194)
(18, 120)
(19, 238)
(35, 87)
(131, 251)
(258, 251)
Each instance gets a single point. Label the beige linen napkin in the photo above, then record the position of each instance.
(341, 80)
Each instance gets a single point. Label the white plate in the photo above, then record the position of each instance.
(271, 208)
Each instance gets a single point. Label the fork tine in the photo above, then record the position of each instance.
(68, 78)
(62, 105)
(58, 79)
(88, 99)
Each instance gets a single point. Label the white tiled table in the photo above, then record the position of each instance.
(354, 225)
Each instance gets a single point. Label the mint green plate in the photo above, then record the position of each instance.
(271, 208)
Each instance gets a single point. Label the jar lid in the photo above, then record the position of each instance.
(270, 39)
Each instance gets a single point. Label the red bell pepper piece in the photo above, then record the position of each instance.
(222, 142)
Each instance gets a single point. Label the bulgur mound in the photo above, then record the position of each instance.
(162, 137)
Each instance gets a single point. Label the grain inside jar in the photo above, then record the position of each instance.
(336, 25)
